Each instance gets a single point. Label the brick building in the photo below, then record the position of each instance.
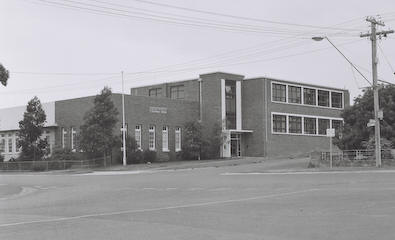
(259, 117)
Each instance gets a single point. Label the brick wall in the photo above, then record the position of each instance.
(138, 111)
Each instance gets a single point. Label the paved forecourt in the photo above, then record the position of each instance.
(237, 202)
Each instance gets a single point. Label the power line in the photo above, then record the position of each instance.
(386, 59)
(237, 17)
(168, 20)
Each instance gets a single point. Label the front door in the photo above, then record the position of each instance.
(235, 145)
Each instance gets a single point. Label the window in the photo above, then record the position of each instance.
(230, 104)
(323, 124)
(73, 138)
(295, 124)
(323, 98)
(9, 143)
(2, 144)
(17, 149)
(64, 133)
(177, 139)
(337, 125)
(337, 100)
(165, 139)
(137, 135)
(151, 138)
(279, 123)
(155, 92)
(310, 126)
(309, 96)
(278, 91)
(177, 92)
(294, 94)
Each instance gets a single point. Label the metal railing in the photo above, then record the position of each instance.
(51, 165)
(358, 158)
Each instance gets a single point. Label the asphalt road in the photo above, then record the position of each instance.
(238, 202)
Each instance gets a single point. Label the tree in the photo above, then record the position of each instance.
(31, 129)
(355, 133)
(97, 132)
(4, 75)
(192, 141)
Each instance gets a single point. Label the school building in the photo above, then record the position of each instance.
(259, 116)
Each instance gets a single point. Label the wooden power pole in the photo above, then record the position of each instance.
(373, 37)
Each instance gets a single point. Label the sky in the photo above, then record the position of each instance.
(61, 49)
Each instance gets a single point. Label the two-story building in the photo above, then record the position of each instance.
(259, 116)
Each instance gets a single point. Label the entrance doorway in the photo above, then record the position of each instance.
(235, 145)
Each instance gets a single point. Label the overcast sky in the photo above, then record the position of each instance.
(57, 52)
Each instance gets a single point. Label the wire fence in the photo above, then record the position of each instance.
(357, 158)
(51, 165)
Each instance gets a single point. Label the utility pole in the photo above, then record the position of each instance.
(123, 124)
(373, 37)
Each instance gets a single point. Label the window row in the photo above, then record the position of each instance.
(304, 125)
(308, 96)
(176, 92)
(69, 135)
(152, 138)
(8, 143)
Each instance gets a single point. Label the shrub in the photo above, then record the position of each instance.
(65, 154)
(1, 158)
(149, 156)
(135, 157)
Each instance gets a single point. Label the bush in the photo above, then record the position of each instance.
(135, 157)
(1, 158)
(64, 154)
(149, 156)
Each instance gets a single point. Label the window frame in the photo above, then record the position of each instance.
(288, 115)
(178, 87)
(177, 139)
(277, 90)
(302, 94)
(165, 139)
(137, 132)
(151, 136)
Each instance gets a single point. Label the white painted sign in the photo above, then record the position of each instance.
(330, 132)
(162, 110)
(371, 123)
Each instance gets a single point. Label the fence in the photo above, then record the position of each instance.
(51, 165)
(357, 158)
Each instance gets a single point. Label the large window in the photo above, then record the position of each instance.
(137, 136)
(2, 143)
(323, 98)
(230, 104)
(337, 99)
(177, 139)
(323, 124)
(17, 149)
(73, 138)
(279, 92)
(279, 123)
(64, 133)
(165, 139)
(337, 125)
(294, 94)
(10, 143)
(177, 92)
(151, 138)
(155, 92)
(310, 125)
(295, 124)
(309, 96)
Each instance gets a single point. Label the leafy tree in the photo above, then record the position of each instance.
(31, 128)
(355, 133)
(4, 75)
(97, 132)
(192, 140)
